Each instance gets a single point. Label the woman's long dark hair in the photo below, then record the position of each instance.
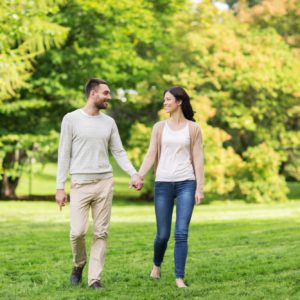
(181, 95)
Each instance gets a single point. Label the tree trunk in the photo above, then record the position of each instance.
(8, 184)
(8, 187)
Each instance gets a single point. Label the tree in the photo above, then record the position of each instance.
(108, 40)
(250, 77)
(26, 32)
(283, 16)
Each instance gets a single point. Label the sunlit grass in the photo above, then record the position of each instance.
(39, 211)
(236, 251)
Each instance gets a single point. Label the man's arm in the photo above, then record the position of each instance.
(64, 158)
(120, 155)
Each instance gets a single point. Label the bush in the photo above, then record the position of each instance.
(259, 176)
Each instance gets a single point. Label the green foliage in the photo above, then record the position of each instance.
(26, 32)
(283, 16)
(259, 179)
(293, 165)
(105, 40)
(23, 147)
(245, 84)
(251, 77)
(234, 3)
(240, 66)
(221, 164)
(118, 47)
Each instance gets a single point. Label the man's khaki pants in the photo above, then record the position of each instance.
(97, 195)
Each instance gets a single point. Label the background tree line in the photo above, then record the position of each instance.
(240, 65)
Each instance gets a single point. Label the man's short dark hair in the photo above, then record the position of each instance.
(92, 84)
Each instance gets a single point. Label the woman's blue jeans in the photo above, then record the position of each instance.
(164, 195)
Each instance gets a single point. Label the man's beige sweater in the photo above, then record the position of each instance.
(84, 148)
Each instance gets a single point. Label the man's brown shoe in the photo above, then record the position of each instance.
(76, 275)
(96, 285)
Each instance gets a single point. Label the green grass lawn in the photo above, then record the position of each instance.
(236, 251)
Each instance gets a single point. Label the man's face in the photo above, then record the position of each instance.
(101, 96)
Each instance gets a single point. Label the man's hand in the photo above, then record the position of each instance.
(61, 198)
(198, 197)
(136, 182)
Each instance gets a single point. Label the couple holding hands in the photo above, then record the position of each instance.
(175, 152)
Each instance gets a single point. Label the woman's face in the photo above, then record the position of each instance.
(170, 103)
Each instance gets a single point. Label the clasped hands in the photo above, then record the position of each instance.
(136, 182)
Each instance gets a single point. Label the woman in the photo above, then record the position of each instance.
(176, 151)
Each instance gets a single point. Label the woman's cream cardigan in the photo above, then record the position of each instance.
(153, 154)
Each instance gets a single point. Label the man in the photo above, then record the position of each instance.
(86, 136)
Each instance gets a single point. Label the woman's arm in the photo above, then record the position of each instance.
(198, 159)
(151, 154)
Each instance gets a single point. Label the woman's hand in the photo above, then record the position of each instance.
(198, 197)
(136, 182)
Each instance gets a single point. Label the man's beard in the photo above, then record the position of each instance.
(101, 106)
